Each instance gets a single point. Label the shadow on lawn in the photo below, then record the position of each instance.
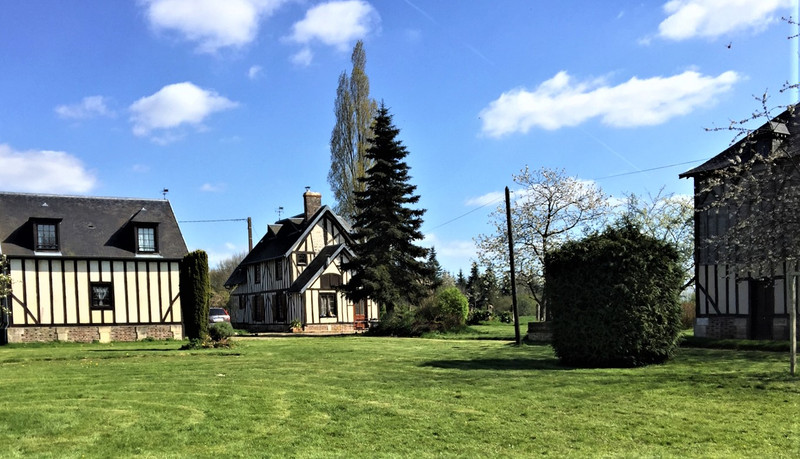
(498, 364)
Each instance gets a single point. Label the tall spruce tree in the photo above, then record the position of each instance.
(354, 112)
(437, 273)
(388, 267)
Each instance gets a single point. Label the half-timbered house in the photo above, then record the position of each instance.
(90, 269)
(292, 275)
(730, 302)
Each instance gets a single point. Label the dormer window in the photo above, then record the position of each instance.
(302, 259)
(146, 241)
(46, 236)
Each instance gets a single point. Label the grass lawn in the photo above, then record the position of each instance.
(374, 397)
(493, 329)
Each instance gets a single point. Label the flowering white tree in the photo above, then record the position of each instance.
(5, 284)
(549, 209)
(667, 217)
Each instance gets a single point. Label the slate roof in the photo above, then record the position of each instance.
(281, 239)
(315, 268)
(782, 126)
(89, 227)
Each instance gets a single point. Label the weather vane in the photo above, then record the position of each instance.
(164, 192)
(279, 210)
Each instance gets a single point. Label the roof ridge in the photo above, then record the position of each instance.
(77, 196)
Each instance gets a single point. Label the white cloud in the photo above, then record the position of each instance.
(212, 188)
(488, 198)
(173, 106)
(303, 57)
(88, 107)
(140, 168)
(337, 23)
(212, 24)
(254, 72)
(713, 18)
(43, 171)
(562, 101)
(454, 249)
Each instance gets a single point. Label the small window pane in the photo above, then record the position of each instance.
(146, 239)
(101, 296)
(46, 238)
(302, 259)
(327, 305)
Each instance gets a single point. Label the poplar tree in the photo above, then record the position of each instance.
(354, 112)
(388, 266)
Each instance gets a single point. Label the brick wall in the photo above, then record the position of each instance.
(88, 334)
(721, 327)
(329, 328)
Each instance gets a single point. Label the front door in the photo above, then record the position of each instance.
(762, 308)
(360, 315)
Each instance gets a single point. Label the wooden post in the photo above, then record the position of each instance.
(249, 234)
(517, 337)
(793, 322)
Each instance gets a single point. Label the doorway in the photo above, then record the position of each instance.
(762, 308)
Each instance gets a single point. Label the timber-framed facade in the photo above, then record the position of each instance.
(731, 303)
(292, 276)
(90, 269)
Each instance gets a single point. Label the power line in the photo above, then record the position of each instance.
(214, 221)
(496, 200)
(652, 169)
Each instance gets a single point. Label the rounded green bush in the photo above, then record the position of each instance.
(220, 331)
(452, 307)
(614, 299)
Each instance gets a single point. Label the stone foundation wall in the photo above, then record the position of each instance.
(721, 327)
(540, 331)
(329, 328)
(91, 333)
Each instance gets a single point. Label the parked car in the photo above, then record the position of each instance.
(218, 315)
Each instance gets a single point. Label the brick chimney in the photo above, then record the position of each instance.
(312, 201)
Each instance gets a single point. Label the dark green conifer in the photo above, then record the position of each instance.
(195, 293)
(388, 266)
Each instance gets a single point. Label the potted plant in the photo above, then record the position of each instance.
(296, 326)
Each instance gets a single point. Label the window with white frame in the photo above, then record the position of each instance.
(46, 236)
(327, 304)
(146, 239)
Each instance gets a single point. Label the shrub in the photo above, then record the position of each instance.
(452, 308)
(688, 314)
(220, 331)
(614, 299)
(505, 317)
(477, 316)
(400, 322)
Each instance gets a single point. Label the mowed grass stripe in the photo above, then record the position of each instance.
(384, 397)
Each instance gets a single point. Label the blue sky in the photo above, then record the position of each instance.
(229, 104)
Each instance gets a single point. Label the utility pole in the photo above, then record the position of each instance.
(249, 234)
(791, 277)
(517, 337)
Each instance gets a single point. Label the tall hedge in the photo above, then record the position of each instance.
(615, 299)
(195, 293)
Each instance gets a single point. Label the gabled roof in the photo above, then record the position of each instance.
(317, 266)
(89, 227)
(282, 239)
(782, 126)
